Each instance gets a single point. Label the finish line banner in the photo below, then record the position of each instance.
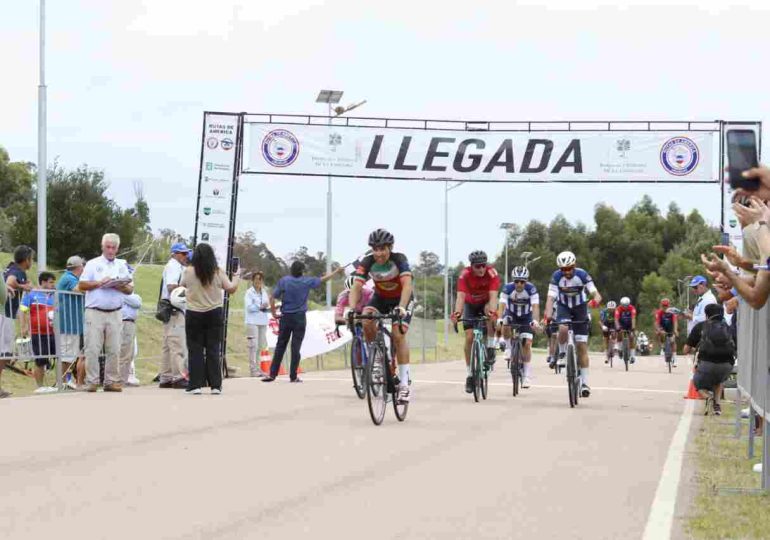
(483, 156)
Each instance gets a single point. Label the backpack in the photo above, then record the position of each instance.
(716, 340)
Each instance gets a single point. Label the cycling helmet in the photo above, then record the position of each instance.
(625, 301)
(566, 259)
(611, 304)
(178, 298)
(665, 302)
(520, 272)
(380, 237)
(349, 282)
(477, 257)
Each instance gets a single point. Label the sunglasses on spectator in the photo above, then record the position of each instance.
(479, 266)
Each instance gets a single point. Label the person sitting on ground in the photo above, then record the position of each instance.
(716, 356)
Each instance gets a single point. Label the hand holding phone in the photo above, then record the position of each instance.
(235, 264)
(742, 156)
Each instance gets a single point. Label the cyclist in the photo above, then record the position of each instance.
(477, 289)
(343, 305)
(567, 290)
(665, 323)
(607, 319)
(520, 309)
(392, 279)
(625, 319)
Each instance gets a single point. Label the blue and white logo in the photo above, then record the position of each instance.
(280, 148)
(679, 156)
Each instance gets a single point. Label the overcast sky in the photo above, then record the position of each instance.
(129, 81)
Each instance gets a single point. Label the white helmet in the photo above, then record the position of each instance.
(178, 298)
(349, 282)
(611, 304)
(565, 259)
(520, 272)
(625, 301)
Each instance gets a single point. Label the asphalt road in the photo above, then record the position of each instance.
(305, 461)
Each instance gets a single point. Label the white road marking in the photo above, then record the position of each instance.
(661, 516)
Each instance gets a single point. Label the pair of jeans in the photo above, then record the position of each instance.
(291, 326)
(204, 345)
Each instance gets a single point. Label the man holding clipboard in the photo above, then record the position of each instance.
(105, 280)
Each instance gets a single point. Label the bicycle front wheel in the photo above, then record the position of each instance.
(668, 354)
(515, 367)
(376, 389)
(626, 352)
(357, 366)
(477, 357)
(399, 408)
(573, 381)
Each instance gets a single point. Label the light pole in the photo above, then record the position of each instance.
(447, 189)
(507, 227)
(329, 97)
(42, 222)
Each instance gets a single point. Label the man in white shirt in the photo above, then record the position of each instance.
(105, 280)
(700, 286)
(173, 364)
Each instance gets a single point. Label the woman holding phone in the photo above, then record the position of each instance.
(205, 283)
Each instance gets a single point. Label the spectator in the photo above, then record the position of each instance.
(174, 360)
(257, 303)
(132, 303)
(106, 280)
(15, 278)
(205, 282)
(37, 319)
(716, 356)
(71, 308)
(293, 290)
(700, 286)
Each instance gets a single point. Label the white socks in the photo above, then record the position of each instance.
(491, 342)
(584, 375)
(468, 370)
(403, 374)
(526, 368)
(562, 348)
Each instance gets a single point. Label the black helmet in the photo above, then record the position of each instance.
(380, 237)
(478, 257)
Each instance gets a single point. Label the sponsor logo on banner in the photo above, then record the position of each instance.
(209, 211)
(280, 148)
(623, 147)
(227, 144)
(205, 237)
(217, 180)
(210, 225)
(679, 156)
(220, 128)
(212, 143)
(211, 166)
(335, 139)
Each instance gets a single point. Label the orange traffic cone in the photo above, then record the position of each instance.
(264, 362)
(692, 393)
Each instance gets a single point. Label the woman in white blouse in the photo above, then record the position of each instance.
(257, 304)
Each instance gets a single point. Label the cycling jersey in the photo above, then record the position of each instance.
(519, 304)
(571, 292)
(477, 288)
(387, 276)
(624, 316)
(607, 317)
(343, 301)
(665, 320)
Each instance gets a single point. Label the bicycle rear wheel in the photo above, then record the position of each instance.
(399, 408)
(476, 360)
(358, 367)
(573, 382)
(377, 388)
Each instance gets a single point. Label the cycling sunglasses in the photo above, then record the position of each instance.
(567, 268)
(519, 280)
(479, 266)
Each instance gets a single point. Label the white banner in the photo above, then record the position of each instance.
(415, 154)
(320, 337)
(216, 184)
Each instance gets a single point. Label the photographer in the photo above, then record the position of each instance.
(716, 356)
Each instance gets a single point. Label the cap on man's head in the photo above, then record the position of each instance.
(180, 247)
(697, 280)
(712, 310)
(75, 262)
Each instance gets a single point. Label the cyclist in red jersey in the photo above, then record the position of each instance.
(477, 289)
(625, 319)
(392, 279)
(665, 323)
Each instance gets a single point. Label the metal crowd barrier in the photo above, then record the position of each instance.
(754, 377)
(47, 322)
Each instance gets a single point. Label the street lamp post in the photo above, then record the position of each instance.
(447, 189)
(42, 221)
(507, 227)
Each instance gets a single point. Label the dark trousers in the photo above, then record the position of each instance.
(204, 344)
(292, 325)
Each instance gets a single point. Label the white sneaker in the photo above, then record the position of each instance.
(133, 381)
(525, 382)
(193, 392)
(562, 361)
(403, 393)
(71, 385)
(216, 391)
(745, 412)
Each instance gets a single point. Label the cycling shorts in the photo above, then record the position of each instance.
(473, 311)
(626, 325)
(386, 305)
(576, 313)
(523, 325)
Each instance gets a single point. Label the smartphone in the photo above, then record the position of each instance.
(235, 264)
(741, 156)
